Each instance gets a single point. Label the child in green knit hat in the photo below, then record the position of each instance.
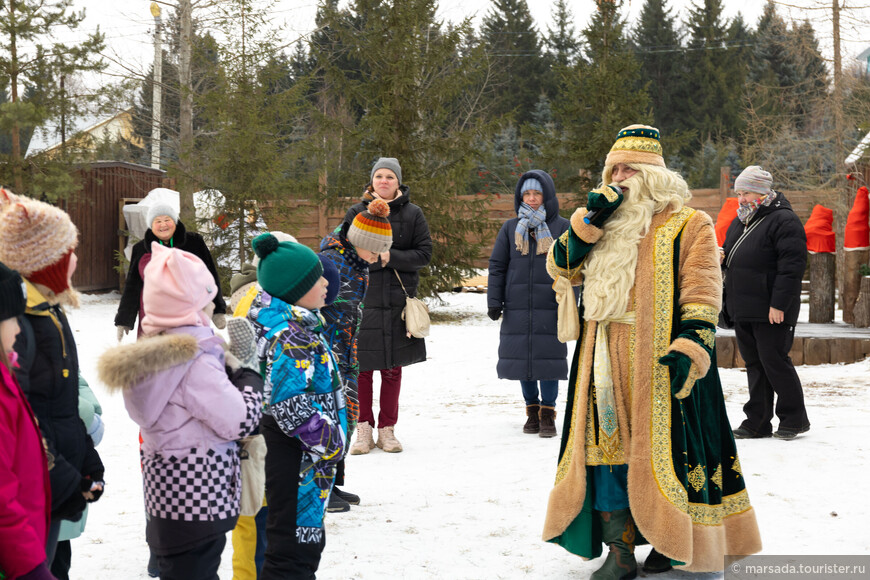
(304, 424)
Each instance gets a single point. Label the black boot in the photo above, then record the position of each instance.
(336, 504)
(618, 532)
(351, 498)
(548, 422)
(533, 424)
(656, 563)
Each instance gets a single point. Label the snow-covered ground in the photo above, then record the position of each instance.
(467, 497)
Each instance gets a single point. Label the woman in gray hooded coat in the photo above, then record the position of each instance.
(520, 288)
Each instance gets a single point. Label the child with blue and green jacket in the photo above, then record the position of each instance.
(304, 423)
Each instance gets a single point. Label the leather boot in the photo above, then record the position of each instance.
(656, 563)
(533, 424)
(548, 422)
(618, 532)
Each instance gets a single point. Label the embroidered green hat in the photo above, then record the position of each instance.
(287, 270)
(637, 144)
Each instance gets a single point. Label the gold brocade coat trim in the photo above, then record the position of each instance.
(698, 535)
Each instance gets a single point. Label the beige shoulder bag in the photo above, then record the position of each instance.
(415, 314)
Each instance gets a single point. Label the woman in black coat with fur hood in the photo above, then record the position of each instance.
(384, 344)
(520, 287)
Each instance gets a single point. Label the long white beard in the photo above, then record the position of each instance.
(609, 271)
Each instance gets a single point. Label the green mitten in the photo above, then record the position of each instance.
(601, 203)
(682, 375)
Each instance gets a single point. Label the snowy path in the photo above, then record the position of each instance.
(466, 499)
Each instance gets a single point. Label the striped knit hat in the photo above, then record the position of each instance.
(37, 239)
(637, 144)
(370, 229)
(754, 179)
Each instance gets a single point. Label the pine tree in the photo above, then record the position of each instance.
(420, 102)
(716, 75)
(32, 57)
(661, 57)
(515, 51)
(246, 148)
(597, 99)
(563, 46)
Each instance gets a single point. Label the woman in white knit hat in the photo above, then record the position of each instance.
(164, 228)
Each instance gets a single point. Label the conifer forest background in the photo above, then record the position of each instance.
(466, 108)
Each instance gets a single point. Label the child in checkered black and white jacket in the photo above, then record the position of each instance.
(192, 403)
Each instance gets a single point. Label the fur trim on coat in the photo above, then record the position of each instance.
(123, 366)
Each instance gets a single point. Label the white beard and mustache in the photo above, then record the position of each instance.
(609, 270)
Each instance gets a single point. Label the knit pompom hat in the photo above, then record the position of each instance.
(36, 239)
(177, 286)
(390, 163)
(371, 229)
(159, 209)
(754, 179)
(286, 270)
(13, 293)
(636, 144)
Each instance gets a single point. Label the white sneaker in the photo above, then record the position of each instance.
(364, 441)
(387, 440)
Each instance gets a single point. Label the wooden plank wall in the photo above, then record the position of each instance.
(310, 222)
(94, 210)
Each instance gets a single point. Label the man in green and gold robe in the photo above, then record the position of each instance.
(647, 452)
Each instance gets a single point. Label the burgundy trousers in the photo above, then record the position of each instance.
(391, 384)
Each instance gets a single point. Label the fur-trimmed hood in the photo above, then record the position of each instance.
(151, 371)
(121, 367)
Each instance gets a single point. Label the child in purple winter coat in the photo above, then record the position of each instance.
(191, 415)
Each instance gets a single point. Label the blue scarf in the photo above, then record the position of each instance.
(536, 220)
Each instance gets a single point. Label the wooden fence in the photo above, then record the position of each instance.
(94, 211)
(310, 222)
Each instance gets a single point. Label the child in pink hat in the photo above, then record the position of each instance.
(191, 413)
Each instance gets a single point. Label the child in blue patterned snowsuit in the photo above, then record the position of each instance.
(304, 424)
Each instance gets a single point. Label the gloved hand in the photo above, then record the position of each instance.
(322, 437)
(602, 202)
(494, 313)
(122, 330)
(41, 572)
(96, 429)
(71, 509)
(92, 486)
(219, 320)
(682, 375)
(243, 342)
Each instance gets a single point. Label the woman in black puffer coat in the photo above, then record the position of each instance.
(384, 344)
(765, 257)
(520, 287)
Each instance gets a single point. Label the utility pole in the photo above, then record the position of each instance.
(185, 113)
(157, 94)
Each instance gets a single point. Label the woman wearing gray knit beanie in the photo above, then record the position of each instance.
(765, 257)
(384, 344)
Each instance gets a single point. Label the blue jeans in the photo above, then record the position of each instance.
(549, 392)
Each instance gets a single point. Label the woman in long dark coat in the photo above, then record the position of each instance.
(765, 256)
(384, 344)
(520, 288)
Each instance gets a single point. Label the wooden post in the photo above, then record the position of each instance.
(822, 282)
(861, 318)
(852, 281)
(724, 184)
